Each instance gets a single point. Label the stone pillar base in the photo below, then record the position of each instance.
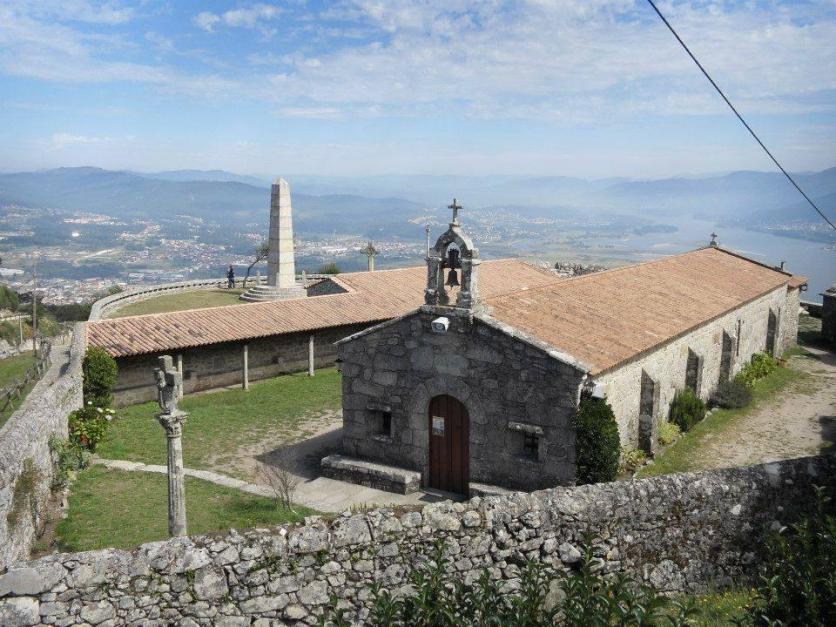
(266, 293)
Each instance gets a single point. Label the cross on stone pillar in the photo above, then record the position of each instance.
(713, 241)
(371, 252)
(169, 386)
(455, 207)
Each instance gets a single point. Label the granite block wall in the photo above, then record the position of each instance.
(667, 365)
(678, 533)
(26, 469)
(506, 385)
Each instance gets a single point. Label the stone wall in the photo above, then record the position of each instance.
(679, 533)
(667, 364)
(506, 384)
(828, 315)
(219, 365)
(25, 459)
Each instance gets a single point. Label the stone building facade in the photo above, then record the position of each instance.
(519, 400)
(469, 390)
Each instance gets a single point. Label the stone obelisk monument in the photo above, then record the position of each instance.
(169, 384)
(281, 262)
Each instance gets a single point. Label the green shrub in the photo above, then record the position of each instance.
(68, 458)
(798, 579)
(9, 299)
(99, 371)
(731, 395)
(597, 445)
(88, 426)
(762, 365)
(329, 268)
(687, 409)
(631, 459)
(668, 433)
(544, 596)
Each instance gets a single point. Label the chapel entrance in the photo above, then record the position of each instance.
(449, 426)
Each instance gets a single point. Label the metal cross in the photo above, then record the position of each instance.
(455, 207)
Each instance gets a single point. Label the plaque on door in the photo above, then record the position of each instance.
(438, 426)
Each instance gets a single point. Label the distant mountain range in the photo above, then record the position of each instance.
(324, 203)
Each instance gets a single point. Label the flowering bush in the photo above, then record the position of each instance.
(762, 365)
(88, 425)
(668, 432)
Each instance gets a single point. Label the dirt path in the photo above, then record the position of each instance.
(319, 435)
(800, 421)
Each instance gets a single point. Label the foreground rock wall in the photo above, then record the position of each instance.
(25, 459)
(679, 533)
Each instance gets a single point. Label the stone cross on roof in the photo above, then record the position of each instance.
(713, 241)
(455, 207)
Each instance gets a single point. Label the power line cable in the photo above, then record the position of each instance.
(739, 117)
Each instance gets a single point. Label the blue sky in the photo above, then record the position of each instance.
(591, 88)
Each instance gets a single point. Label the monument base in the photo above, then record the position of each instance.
(266, 293)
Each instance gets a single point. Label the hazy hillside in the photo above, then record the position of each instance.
(358, 204)
(125, 194)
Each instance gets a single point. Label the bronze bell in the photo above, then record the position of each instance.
(453, 259)
(452, 279)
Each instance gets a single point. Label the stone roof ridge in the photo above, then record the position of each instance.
(750, 260)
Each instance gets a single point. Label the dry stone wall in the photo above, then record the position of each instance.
(25, 460)
(679, 533)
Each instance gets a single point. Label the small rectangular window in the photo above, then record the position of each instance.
(531, 445)
(381, 423)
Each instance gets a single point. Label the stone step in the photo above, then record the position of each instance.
(371, 474)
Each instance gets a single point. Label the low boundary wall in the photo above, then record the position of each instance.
(680, 533)
(26, 468)
(105, 305)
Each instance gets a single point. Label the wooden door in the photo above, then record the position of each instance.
(449, 427)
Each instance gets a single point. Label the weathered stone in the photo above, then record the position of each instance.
(667, 576)
(264, 604)
(28, 581)
(19, 612)
(352, 530)
(210, 583)
(98, 612)
(315, 593)
(295, 612)
(568, 554)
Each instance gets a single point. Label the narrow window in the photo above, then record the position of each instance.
(739, 331)
(381, 423)
(531, 445)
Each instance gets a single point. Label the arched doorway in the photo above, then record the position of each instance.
(449, 428)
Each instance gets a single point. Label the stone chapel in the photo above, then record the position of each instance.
(472, 395)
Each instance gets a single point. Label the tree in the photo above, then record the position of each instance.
(99, 376)
(329, 268)
(261, 252)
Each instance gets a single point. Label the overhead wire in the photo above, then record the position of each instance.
(739, 117)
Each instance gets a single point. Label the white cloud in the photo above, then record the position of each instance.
(206, 21)
(245, 17)
(61, 141)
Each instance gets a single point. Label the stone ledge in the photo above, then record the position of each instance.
(371, 474)
(485, 489)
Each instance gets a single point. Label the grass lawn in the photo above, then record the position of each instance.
(180, 301)
(12, 369)
(684, 454)
(114, 508)
(722, 608)
(220, 422)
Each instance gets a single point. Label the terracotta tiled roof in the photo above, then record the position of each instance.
(797, 281)
(370, 297)
(610, 317)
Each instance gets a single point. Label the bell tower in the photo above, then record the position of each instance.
(454, 252)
